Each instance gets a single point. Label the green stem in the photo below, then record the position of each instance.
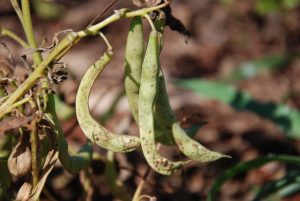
(138, 192)
(34, 151)
(27, 26)
(35, 75)
(73, 163)
(12, 35)
(18, 10)
(15, 105)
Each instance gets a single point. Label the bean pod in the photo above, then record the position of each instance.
(94, 131)
(147, 94)
(134, 55)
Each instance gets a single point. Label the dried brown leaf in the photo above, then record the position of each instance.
(19, 161)
(13, 123)
(24, 192)
(48, 166)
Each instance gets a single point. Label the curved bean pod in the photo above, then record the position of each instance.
(168, 123)
(72, 162)
(161, 109)
(134, 55)
(189, 147)
(147, 96)
(94, 131)
(193, 149)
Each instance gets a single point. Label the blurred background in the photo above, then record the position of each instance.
(238, 72)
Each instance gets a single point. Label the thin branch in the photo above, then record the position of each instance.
(13, 36)
(18, 10)
(34, 152)
(27, 26)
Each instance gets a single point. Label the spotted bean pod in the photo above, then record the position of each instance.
(147, 95)
(90, 127)
(134, 55)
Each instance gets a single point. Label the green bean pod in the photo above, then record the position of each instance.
(134, 54)
(161, 110)
(71, 161)
(147, 94)
(167, 120)
(193, 149)
(90, 127)
(189, 147)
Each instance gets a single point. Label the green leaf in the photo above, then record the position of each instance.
(48, 9)
(266, 6)
(286, 118)
(245, 166)
(63, 110)
(290, 4)
(252, 68)
(292, 178)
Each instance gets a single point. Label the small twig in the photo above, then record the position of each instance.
(18, 10)
(12, 35)
(34, 151)
(16, 104)
(27, 26)
(102, 12)
(146, 196)
(137, 194)
(150, 22)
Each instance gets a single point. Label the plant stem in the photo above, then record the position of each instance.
(17, 104)
(27, 26)
(138, 192)
(60, 50)
(12, 35)
(34, 151)
(34, 76)
(18, 10)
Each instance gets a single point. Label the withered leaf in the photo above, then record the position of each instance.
(19, 161)
(13, 123)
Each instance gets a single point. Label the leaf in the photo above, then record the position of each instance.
(286, 118)
(266, 6)
(48, 9)
(245, 166)
(63, 110)
(19, 161)
(250, 69)
(12, 123)
(51, 160)
(24, 192)
(290, 4)
(291, 178)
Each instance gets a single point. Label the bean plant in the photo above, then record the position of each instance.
(40, 141)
